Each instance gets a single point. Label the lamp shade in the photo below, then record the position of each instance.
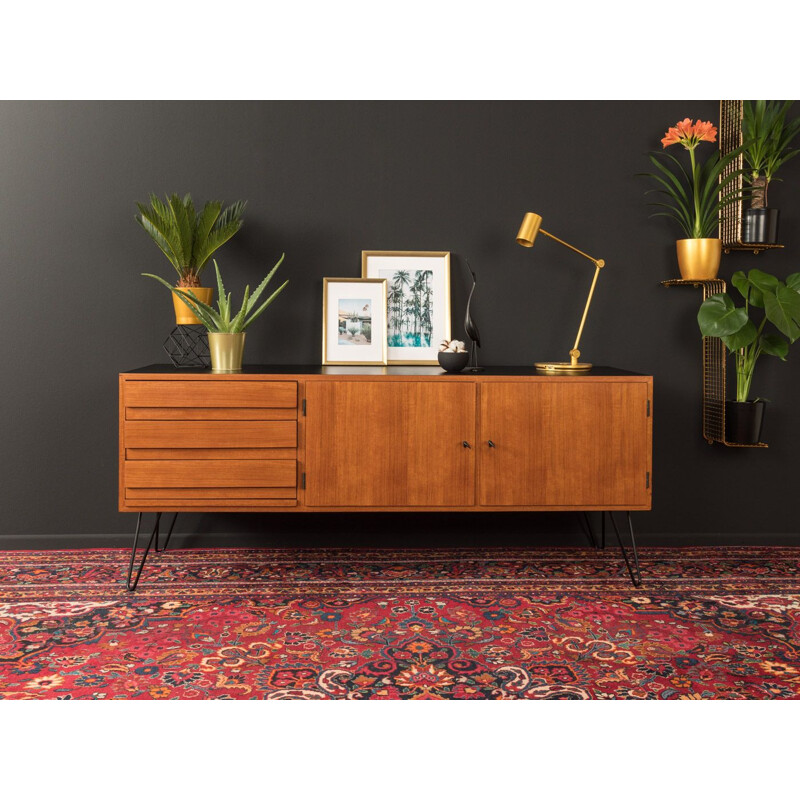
(529, 228)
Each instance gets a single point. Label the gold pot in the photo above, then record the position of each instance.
(227, 350)
(698, 259)
(183, 314)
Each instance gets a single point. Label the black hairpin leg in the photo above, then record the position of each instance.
(633, 571)
(589, 529)
(132, 584)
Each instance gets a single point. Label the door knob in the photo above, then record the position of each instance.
(491, 443)
(466, 444)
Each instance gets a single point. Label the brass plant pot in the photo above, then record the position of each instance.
(183, 314)
(227, 350)
(698, 259)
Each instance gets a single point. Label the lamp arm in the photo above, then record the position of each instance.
(595, 261)
(575, 354)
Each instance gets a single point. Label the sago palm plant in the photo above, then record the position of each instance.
(221, 321)
(186, 238)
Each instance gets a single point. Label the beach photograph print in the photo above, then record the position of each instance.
(418, 301)
(355, 322)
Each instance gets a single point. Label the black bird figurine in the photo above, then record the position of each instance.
(470, 327)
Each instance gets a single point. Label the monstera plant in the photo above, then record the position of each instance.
(767, 323)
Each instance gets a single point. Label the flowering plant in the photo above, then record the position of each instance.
(695, 197)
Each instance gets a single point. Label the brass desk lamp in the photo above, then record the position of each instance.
(531, 226)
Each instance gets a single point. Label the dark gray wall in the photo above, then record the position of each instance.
(324, 181)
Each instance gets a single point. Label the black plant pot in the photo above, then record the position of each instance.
(760, 226)
(743, 421)
(453, 362)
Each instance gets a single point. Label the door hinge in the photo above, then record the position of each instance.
(304, 406)
(303, 482)
(648, 407)
(647, 480)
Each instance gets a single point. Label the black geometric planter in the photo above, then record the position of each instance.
(743, 422)
(760, 226)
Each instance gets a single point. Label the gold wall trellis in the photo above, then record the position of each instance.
(730, 137)
(714, 374)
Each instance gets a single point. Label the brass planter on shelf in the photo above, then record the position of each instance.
(183, 314)
(698, 259)
(227, 350)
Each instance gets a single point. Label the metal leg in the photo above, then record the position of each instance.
(633, 571)
(589, 529)
(131, 585)
(169, 533)
(602, 530)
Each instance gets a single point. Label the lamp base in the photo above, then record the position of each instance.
(562, 367)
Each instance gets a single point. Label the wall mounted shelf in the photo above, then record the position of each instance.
(713, 372)
(730, 137)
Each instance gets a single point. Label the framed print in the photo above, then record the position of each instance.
(418, 301)
(353, 321)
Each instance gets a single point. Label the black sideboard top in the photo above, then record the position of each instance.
(290, 369)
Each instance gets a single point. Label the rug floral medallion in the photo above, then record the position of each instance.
(465, 624)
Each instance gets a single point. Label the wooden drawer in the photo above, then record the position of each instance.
(210, 394)
(210, 434)
(211, 474)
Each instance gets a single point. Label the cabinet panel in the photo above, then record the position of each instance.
(567, 443)
(211, 394)
(210, 434)
(209, 474)
(389, 444)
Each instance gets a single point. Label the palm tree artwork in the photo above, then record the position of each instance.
(410, 307)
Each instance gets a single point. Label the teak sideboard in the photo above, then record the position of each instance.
(356, 439)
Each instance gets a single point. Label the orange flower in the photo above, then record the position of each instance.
(705, 132)
(690, 134)
(672, 136)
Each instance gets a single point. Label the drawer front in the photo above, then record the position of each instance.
(210, 394)
(211, 474)
(210, 434)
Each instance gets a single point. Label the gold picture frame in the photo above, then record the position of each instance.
(338, 342)
(418, 346)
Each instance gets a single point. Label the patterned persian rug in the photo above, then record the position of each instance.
(417, 624)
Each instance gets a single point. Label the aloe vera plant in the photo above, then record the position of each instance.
(186, 238)
(223, 320)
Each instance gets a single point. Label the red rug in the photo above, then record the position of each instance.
(416, 624)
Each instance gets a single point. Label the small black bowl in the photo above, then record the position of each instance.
(453, 362)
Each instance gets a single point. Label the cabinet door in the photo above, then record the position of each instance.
(390, 443)
(575, 443)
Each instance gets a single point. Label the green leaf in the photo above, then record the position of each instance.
(256, 314)
(183, 228)
(793, 281)
(747, 289)
(763, 280)
(263, 285)
(719, 317)
(743, 337)
(775, 345)
(205, 222)
(783, 311)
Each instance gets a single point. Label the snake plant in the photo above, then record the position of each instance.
(186, 238)
(223, 321)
